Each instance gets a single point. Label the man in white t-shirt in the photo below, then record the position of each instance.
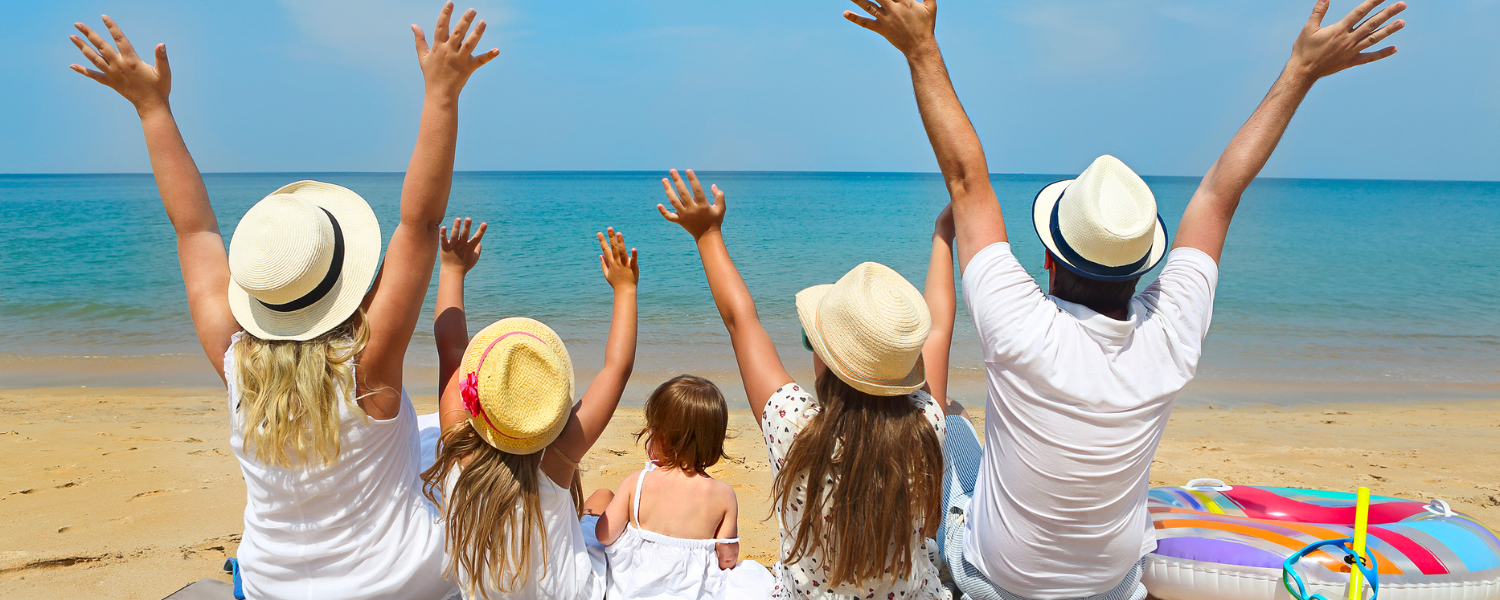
(1082, 381)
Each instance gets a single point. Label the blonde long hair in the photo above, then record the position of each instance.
(290, 393)
(488, 538)
(873, 467)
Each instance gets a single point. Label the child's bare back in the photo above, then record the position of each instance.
(683, 505)
(674, 497)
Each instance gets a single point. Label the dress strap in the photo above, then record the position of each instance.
(635, 509)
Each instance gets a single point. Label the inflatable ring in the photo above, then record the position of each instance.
(1218, 541)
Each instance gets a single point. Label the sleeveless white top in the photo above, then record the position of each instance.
(356, 528)
(571, 573)
(648, 565)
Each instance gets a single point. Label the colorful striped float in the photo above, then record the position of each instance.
(1218, 541)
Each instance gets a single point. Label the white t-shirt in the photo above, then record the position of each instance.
(786, 413)
(1077, 404)
(570, 572)
(357, 528)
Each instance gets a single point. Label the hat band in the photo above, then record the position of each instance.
(842, 368)
(478, 407)
(335, 267)
(1089, 267)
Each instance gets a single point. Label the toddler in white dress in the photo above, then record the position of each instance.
(671, 530)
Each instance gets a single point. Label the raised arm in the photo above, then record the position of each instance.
(1318, 52)
(942, 302)
(450, 329)
(200, 247)
(908, 25)
(760, 365)
(598, 404)
(395, 300)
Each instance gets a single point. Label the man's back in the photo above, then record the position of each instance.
(1077, 404)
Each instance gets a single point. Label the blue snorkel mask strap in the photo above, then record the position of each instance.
(1366, 565)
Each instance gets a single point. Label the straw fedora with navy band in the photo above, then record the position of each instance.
(1102, 225)
(301, 261)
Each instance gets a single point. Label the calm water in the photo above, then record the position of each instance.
(1322, 281)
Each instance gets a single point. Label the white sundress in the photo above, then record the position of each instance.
(648, 565)
(570, 572)
(356, 528)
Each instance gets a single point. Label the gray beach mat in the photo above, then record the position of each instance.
(204, 589)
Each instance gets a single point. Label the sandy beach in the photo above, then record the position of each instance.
(132, 493)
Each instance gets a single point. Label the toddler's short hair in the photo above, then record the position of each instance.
(686, 420)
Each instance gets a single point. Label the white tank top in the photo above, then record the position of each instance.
(646, 564)
(356, 528)
(570, 572)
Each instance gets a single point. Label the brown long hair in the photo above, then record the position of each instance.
(290, 393)
(488, 538)
(872, 467)
(686, 422)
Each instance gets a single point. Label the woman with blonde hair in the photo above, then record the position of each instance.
(859, 466)
(310, 340)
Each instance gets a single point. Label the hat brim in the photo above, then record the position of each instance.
(808, 301)
(361, 231)
(1041, 220)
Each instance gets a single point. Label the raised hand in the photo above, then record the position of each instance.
(619, 264)
(448, 63)
(200, 247)
(906, 24)
(1319, 52)
(145, 86)
(458, 249)
(694, 212)
(1322, 51)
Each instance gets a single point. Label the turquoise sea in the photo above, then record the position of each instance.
(1329, 288)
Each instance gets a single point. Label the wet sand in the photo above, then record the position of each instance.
(133, 493)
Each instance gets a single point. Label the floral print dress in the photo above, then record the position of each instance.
(786, 413)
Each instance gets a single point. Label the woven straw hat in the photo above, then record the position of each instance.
(301, 260)
(1102, 225)
(868, 328)
(517, 385)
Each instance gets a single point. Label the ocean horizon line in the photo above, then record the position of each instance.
(111, 283)
(727, 172)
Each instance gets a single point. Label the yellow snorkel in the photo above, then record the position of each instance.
(1361, 529)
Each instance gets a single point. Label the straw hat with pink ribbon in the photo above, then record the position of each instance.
(517, 385)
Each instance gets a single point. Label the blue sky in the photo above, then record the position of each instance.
(332, 85)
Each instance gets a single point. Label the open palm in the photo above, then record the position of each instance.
(694, 212)
(120, 68)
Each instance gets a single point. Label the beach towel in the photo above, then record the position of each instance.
(204, 589)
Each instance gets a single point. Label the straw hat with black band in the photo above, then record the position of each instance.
(868, 328)
(1102, 225)
(301, 260)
